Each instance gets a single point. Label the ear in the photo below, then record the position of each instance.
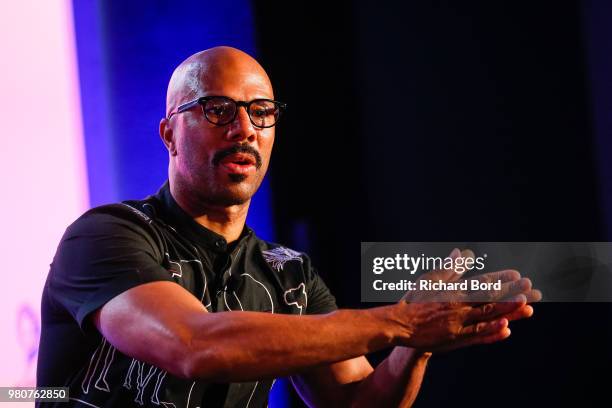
(167, 136)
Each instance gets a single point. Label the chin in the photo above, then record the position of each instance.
(235, 189)
(237, 178)
(235, 195)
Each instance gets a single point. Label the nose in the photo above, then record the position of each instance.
(241, 128)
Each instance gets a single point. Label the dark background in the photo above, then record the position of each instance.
(449, 121)
(407, 121)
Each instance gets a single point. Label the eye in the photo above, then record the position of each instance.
(217, 110)
(262, 110)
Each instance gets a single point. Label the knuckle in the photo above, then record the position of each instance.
(518, 285)
(487, 309)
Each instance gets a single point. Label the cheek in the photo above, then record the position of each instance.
(193, 122)
(265, 147)
(192, 154)
(196, 144)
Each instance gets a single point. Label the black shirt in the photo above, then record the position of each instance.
(113, 248)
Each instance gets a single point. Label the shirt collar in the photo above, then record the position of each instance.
(175, 216)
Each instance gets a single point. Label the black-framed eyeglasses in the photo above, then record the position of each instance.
(221, 110)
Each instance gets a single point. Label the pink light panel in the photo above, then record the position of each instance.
(42, 170)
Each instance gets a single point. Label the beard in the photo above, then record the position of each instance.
(237, 178)
(236, 189)
(236, 192)
(209, 184)
(217, 188)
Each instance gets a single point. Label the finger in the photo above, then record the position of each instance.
(506, 275)
(521, 313)
(491, 311)
(447, 275)
(457, 274)
(510, 290)
(502, 335)
(455, 253)
(475, 340)
(454, 256)
(483, 328)
(533, 295)
(468, 253)
(507, 291)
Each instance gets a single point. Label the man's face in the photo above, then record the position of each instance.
(223, 165)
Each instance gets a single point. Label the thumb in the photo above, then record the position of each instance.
(455, 253)
(468, 253)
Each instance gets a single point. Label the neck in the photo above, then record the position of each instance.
(225, 221)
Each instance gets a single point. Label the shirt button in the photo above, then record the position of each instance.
(219, 244)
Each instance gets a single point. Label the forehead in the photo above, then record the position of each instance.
(240, 83)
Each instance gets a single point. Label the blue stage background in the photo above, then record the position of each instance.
(127, 51)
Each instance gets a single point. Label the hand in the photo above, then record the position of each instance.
(446, 320)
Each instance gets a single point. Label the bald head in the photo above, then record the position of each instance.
(203, 71)
(211, 164)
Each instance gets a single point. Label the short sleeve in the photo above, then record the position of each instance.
(320, 299)
(100, 256)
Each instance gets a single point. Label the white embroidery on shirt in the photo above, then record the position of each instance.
(101, 382)
(189, 395)
(84, 402)
(91, 369)
(143, 381)
(297, 297)
(277, 257)
(127, 383)
(139, 213)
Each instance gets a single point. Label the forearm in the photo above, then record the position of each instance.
(244, 346)
(395, 382)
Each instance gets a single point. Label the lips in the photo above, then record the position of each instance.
(239, 163)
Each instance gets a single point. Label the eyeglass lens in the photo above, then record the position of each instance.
(222, 111)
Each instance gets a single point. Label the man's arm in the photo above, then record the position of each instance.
(163, 324)
(396, 380)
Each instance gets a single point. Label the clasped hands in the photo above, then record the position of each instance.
(446, 320)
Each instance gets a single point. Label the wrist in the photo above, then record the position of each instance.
(403, 359)
(422, 355)
(401, 322)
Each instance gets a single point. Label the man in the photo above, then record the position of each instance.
(173, 301)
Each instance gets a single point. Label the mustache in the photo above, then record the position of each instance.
(246, 149)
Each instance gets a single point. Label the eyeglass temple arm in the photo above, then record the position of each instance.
(184, 107)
